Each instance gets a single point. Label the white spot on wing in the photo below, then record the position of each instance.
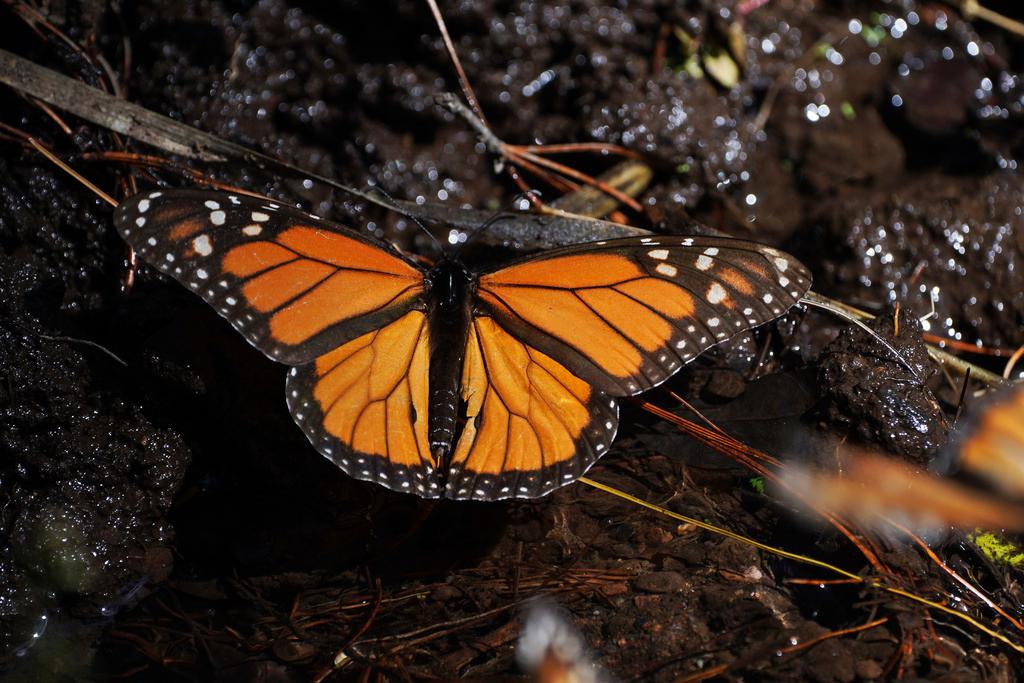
(251, 230)
(218, 217)
(667, 269)
(703, 262)
(143, 206)
(260, 217)
(715, 294)
(660, 254)
(212, 205)
(202, 245)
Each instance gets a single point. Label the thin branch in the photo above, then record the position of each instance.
(973, 8)
(812, 299)
(86, 342)
(177, 138)
(467, 89)
(937, 354)
(72, 172)
(1008, 370)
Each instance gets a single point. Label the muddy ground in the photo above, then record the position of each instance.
(165, 520)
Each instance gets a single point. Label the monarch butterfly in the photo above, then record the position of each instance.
(446, 383)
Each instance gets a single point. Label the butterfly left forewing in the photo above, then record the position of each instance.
(294, 285)
(531, 424)
(627, 314)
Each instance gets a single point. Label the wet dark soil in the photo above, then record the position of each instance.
(162, 517)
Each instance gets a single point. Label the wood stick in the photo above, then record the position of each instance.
(113, 113)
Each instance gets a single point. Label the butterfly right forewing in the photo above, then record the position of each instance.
(627, 314)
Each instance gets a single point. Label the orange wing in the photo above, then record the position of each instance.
(531, 424)
(364, 406)
(294, 285)
(556, 336)
(993, 446)
(627, 314)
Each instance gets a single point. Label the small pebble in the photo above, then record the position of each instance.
(660, 582)
(868, 669)
(724, 385)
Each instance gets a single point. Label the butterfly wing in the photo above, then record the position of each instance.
(627, 314)
(294, 285)
(993, 446)
(316, 295)
(559, 335)
(531, 424)
(364, 406)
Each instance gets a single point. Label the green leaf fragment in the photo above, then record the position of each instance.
(997, 549)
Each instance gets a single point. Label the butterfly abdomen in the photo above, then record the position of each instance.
(450, 314)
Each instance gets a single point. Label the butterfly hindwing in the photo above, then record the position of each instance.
(531, 424)
(627, 314)
(364, 406)
(294, 285)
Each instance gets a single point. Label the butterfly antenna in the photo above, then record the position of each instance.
(414, 219)
(494, 219)
(491, 221)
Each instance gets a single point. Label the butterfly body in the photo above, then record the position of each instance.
(445, 382)
(449, 313)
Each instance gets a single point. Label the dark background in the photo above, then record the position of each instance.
(165, 520)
